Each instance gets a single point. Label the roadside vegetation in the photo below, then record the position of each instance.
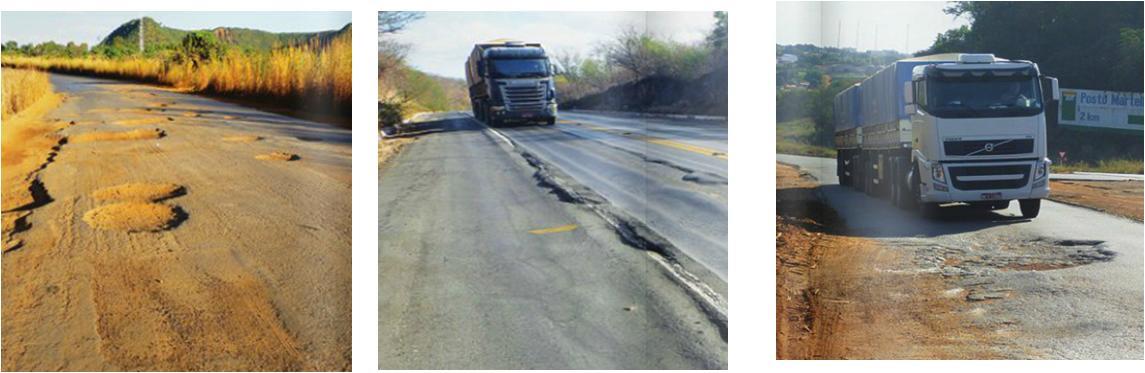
(641, 71)
(305, 72)
(1116, 166)
(403, 90)
(22, 89)
(798, 137)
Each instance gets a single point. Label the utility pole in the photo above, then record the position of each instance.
(141, 35)
(839, 35)
(876, 37)
(906, 42)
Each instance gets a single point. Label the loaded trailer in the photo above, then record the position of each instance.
(947, 128)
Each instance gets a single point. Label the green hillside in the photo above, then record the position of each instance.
(125, 38)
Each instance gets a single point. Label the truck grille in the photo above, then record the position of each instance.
(524, 98)
(962, 148)
(963, 177)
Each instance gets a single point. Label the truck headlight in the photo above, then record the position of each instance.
(1042, 168)
(937, 173)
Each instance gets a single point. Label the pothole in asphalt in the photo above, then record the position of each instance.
(242, 138)
(139, 134)
(1039, 254)
(277, 156)
(134, 217)
(705, 179)
(136, 122)
(144, 192)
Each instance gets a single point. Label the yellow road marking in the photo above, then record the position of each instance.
(687, 147)
(563, 228)
(656, 140)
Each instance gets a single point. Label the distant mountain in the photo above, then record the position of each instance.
(159, 37)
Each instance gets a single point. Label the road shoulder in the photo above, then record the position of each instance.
(844, 297)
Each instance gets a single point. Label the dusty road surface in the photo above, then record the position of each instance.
(1065, 285)
(161, 240)
(489, 261)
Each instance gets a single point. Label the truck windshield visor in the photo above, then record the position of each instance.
(519, 68)
(984, 96)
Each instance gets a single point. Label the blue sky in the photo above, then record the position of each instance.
(91, 27)
(440, 42)
(819, 23)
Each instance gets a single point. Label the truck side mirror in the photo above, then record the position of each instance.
(908, 98)
(1050, 83)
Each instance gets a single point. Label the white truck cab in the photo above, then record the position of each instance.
(979, 131)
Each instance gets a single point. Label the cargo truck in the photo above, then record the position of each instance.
(934, 130)
(511, 81)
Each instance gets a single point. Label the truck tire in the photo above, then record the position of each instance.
(490, 120)
(911, 194)
(843, 160)
(1030, 207)
(551, 121)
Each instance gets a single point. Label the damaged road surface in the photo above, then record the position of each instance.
(1066, 285)
(670, 174)
(161, 244)
(488, 261)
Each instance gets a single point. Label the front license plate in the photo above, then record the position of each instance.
(995, 195)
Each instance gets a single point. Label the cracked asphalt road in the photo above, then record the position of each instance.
(1066, 285)
(483, 266)
(671, 174)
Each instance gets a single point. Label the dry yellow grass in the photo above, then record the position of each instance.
(317, 77)
(22, 88)
(389, 148)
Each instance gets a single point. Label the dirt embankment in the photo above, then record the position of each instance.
(29, 143)
(843, 297)
(1121, 198)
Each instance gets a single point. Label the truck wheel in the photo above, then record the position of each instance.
(490, 119)
(841, 160)
(1030, 207)
(551, 121)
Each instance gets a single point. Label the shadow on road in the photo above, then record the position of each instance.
(866, 216)
(436, 125)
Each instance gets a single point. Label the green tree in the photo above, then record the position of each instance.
(1086, 45)
(718, 39)
(199, 47)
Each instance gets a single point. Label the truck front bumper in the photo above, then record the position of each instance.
(984, 181)
(504, 113)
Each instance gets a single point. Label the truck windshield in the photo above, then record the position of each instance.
(990, 96)
(519, 68)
